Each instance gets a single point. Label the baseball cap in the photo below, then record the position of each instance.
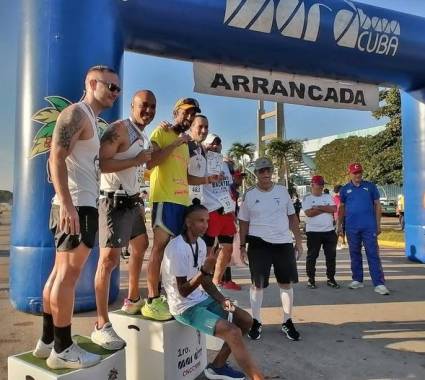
(186, 104)
(262, 163)
(318, 180)
(211, 137)
(354, 168)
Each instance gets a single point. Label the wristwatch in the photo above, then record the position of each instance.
(204, 273)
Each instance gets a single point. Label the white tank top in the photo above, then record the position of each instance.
(83, 167)
(127, 178)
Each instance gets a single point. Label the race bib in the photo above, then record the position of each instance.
(227, 203)
(214, 163)
(195, 191)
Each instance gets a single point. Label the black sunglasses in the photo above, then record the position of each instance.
(263, 170)
(111, 86)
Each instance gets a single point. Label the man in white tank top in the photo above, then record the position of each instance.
(74, 168)
(123, 150)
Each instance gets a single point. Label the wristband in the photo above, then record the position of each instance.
(204, 273)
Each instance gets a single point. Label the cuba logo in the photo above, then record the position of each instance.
(47, 117)
(293, 17)
(354, 29)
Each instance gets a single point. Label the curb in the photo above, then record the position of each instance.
(391, 244)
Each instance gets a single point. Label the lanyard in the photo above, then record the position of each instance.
(195, 252)
(142, 134)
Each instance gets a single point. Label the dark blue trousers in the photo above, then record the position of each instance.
(368, 238)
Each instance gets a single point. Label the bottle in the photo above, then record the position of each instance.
(120, 197)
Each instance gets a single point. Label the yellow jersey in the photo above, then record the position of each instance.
(168, 181)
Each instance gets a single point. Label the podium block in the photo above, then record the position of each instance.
(160, 350)
(27, 367)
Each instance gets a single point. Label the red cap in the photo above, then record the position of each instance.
(354, 168)
(317, 180)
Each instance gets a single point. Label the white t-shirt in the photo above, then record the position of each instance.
(267, 213)
(324, 221)
(217, 195)
(178, 262)
(198, 168)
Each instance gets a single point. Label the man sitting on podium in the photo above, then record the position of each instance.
(195, 301)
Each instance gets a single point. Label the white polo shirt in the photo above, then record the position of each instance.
(267, 213)
(323, 222)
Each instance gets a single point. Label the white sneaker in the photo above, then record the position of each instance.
(107, 338)
(382, 290)
(73, 357)
(356, 285)
(130, 307)
(42, 350)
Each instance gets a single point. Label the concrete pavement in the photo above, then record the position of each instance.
(346, 334)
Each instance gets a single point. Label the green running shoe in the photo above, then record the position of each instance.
(157, 309)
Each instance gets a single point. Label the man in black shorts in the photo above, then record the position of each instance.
(74, 168)
(266, 219)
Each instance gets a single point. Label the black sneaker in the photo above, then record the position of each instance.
(289, 329)
(333, 284)
(311, 284)
(255, 332)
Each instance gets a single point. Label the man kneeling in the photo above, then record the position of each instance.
(184, 270)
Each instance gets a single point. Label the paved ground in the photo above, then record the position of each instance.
(346, 334)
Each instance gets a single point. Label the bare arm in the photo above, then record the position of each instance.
(159, 155)
(193, 180)
(111, 143)
(341, 215)
(312, 212)
(326, 209)
(243, 231)
(294, 225)
(69, 127)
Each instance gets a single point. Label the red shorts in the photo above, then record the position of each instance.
(221, 224)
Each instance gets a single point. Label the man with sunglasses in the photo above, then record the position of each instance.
(169, 193)
(266, 219)
(124, 149)
(74, 168)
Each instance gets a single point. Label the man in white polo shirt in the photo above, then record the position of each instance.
(319, 209)
(267, 217)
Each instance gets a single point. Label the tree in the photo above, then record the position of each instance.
(286, 156)
(242, 153)
(383, 162)
(332, 159)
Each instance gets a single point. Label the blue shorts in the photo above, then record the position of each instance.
(168, 216)
(203, 316)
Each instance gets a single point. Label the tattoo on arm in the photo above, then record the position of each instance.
(110, 135)
(67, 126)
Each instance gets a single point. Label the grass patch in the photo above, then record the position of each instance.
(392, 235)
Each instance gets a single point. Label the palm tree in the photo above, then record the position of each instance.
(286, 155)
(242, 153)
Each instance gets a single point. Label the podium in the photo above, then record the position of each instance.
(27, 367)
(160, 350)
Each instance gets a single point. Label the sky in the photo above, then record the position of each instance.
(233, 119)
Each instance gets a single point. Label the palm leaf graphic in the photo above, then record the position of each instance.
(58, 102)
(102, 124)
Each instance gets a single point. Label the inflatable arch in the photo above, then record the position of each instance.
(60, 39)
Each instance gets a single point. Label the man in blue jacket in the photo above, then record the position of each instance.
(362, 211)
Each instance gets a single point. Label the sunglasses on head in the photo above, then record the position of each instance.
(190, 101)
(111, 86)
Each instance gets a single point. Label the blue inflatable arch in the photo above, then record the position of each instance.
(60, 39)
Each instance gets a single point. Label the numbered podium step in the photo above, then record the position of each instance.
(160, 350)
(27, 367)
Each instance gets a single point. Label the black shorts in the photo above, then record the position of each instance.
(262, 255)
(222, 239)
(89, 221)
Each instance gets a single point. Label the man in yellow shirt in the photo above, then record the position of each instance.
(169, 194)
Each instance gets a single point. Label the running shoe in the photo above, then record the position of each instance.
(256, 329)
(73, 357)
(224, 373)
(332, 283)
(157, 309)
(288, 328)
(107, 338)
(231, 285)
(382, 290)
(356, 285)
(311, 284)
(131, 307)
(42, 350)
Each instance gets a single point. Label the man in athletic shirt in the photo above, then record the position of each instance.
(169, 193)
(74, 168)
(122, 153)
